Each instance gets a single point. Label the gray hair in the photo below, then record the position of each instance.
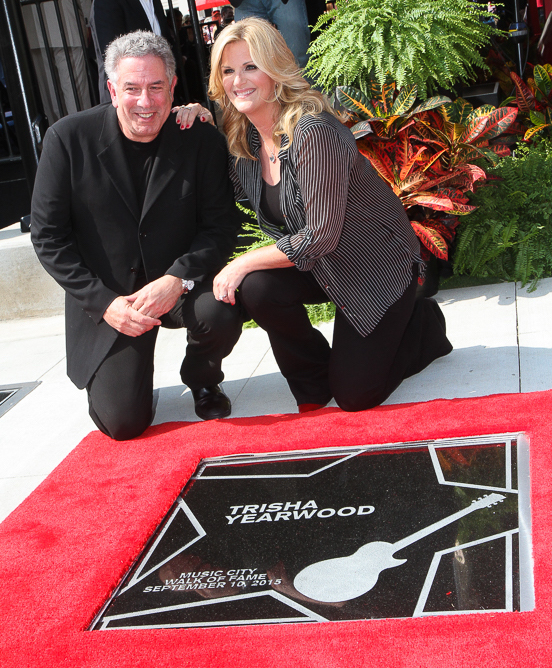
(138, 44)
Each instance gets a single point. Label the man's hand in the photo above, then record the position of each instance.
(158, 297)
(125, 319)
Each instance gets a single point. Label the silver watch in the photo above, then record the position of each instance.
(186, 285)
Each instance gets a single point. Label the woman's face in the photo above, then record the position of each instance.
(247, 87)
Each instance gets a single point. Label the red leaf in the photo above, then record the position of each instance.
(379, 160)
(434, 161)
(434, 202)
(524, 96)
(436, 224)
(463, 209)
(500, 149)
(410, 182)
(432, 240)
(473, 173)
(499, 121)
(403, 150)
(454, 194)
(474, 129)
(408, 165)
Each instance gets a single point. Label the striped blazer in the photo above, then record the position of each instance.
(345, 224)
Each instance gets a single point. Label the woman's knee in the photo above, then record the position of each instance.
(257, 290)
(352, 399)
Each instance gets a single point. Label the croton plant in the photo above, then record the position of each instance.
(534, 100)
(426, 153)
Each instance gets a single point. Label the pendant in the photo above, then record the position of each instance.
(272, 158)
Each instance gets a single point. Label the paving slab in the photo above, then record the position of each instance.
(535, 336)
(484, 325)
(26, 289)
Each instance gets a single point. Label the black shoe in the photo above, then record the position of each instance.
(211, 403)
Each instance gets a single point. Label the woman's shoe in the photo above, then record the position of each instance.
(307, 408)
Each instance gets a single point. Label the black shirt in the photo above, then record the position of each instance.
(270, 205)
(140, 159)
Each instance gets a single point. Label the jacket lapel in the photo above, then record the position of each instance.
(112, 158)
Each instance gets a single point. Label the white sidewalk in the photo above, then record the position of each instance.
(502, 339)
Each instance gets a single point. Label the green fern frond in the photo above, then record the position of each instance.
(251, 233)
(510, 235)
(427, 43)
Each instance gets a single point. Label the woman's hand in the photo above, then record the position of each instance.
(185, 116)
(228, 280)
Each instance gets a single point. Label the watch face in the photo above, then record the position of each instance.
(398, 530)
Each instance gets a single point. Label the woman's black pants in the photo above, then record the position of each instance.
(358, 371)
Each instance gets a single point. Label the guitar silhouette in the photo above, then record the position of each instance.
(345, 578)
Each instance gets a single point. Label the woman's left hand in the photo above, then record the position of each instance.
(227, 281)
(186, 115)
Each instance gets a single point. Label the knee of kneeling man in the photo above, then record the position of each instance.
(125, 427)
(223, 318)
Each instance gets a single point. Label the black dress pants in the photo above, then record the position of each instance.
(358, 371)
(120, 394)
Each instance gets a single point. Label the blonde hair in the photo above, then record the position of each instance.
(272, 56)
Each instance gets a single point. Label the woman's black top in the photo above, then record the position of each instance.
(270, 205)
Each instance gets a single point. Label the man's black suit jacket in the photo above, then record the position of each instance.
(113, 18)
(91, 237)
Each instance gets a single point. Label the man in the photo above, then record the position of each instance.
(111, 18)
(289, 16)
(133, 218)
(226, 16)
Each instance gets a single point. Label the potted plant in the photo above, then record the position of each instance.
(427, 43)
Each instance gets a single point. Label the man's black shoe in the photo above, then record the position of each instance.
(211, 403)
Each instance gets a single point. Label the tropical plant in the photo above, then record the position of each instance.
(534, 100)
(426, 43)
(384, 110)
(510, 235)
(426, 153)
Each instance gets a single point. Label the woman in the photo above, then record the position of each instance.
(341, 234)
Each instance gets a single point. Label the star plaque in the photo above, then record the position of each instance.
(395, 530)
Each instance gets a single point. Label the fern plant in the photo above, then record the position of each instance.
(427, 43)
(510, 235)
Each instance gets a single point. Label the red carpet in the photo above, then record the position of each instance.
(67, 546)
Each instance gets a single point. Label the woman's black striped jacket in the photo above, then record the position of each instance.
(345, 224)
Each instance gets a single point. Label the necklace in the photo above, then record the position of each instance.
(272, 157)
